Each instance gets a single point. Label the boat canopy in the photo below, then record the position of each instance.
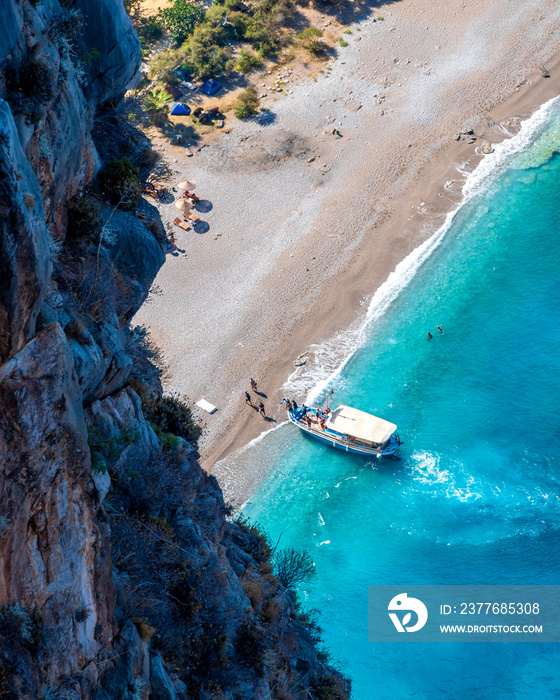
(360, 425)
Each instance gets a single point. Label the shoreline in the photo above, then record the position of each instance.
(414, 179)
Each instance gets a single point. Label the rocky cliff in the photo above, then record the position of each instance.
(121, 574)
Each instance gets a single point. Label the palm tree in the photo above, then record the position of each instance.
(155, 102)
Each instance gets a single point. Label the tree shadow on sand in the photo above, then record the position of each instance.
(347, 11)
(266, 117)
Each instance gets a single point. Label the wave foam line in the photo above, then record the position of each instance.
(489, 168)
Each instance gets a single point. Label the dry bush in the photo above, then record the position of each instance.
(272, 610)
(97, 288)
(293, 567)
(254, 592)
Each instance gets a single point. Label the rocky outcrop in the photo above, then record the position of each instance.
(24, 252)
(50, 540)
(121, 575)
(113, 47)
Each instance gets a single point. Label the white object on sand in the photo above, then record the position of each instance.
(206, 406)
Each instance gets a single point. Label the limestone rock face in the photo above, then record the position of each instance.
(110, 36)
(49, 545)
(10, 27)
(24, 252)
(120, 575)
(134, 250)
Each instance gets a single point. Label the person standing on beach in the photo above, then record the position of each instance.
(248, 398)
(430, 336)
(254, 386)
(261, 409)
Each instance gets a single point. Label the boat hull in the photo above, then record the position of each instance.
(333, 441)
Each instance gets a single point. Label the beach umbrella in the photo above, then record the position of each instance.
(183, 204)
(187, 185)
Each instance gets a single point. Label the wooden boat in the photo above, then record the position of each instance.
(347, 429)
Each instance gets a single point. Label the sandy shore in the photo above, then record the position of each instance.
(301, 226)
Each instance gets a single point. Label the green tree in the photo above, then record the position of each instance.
(155, 102)
(247, 62)
(181, 19)
(247, 104)
(309, 40)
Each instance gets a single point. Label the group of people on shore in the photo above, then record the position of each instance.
(248, 400)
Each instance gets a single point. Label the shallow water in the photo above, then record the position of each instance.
(475, 497)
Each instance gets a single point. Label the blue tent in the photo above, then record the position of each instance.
(210, 87)
(180, 108)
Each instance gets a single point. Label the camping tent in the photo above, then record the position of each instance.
(210, 87)
(180, 108)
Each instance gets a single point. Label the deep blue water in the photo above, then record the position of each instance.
(475, 497)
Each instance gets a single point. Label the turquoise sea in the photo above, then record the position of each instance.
(475, 497)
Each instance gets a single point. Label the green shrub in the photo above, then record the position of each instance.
(250, 644)
(150, 30)
(206, 61)
(247, 62)
(327, 686)
(163, 65)
(342, 41)
(247, 104)
(257, 542)
(181, 19)
(120, 183)
(261, 33)
(171, 415)
(84, 220)
(308, 39)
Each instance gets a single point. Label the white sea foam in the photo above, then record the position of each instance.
(426, 470)
(331, 357)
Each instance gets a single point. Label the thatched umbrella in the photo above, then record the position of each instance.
(189, 185)
(183, 204)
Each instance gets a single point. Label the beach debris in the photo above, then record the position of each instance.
(188, 152)
(486, 147)
(310, 160)
(543, 71)
(220, 124)
(324, 168)
(301, 359)
(336, 133)
(206, 406)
